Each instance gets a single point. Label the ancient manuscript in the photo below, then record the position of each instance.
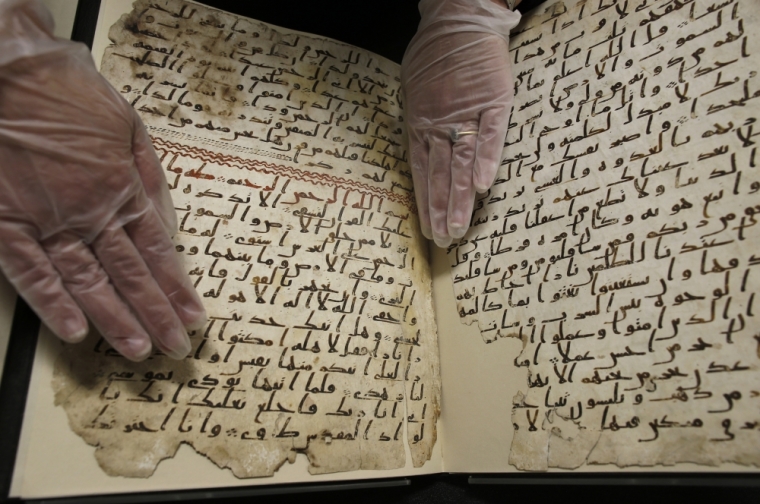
(620, 242)
(286, 159)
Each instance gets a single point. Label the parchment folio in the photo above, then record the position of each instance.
(619, 242)
(286, 163)
(285, 154)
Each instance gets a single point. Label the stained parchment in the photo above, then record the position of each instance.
(287, 162)
(620, 240)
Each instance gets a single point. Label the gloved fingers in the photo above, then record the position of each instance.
(439, 185)
(419, 160)
(29, 269)
(88, 283)
(491, 137)
(135, 284)
(462, 195)
(157, 250)
(152, 175)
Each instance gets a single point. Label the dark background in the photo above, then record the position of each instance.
(385, 28)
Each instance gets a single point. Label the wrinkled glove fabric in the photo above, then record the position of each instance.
(458, 91)
(85, 211)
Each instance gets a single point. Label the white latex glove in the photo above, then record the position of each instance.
(85, 210)
(456, 78)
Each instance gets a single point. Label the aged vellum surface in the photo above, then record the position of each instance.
(286, 159)
(620, 241)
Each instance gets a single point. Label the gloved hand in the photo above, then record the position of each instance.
(85, 210)
(458, 89)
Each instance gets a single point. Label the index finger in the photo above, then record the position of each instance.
(419, 160)
(492, 134)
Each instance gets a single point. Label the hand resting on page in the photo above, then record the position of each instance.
(85, 211)
(458, 89)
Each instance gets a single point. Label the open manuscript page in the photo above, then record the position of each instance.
(286, 159)
(620, 241)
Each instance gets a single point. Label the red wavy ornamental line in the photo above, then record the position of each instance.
(275, 169)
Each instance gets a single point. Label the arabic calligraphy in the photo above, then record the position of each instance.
(286, 160)
(619, 241)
